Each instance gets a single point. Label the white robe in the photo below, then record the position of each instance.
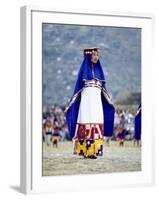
(91, 109)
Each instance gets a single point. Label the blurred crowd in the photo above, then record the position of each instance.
(55, 115)
(123, 123)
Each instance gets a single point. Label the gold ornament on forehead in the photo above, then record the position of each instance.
(90, 50)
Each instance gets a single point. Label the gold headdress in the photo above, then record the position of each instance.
(90, 50)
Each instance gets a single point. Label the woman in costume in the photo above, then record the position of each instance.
(48, 132)
(137, 135)
(56, 133)
(90, 113)
(121, 136)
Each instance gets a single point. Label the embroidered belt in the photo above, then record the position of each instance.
(93, 83)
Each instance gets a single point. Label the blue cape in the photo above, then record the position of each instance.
(85, 73)
(137, 135)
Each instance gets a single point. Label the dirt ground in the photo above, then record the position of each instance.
(61, 161)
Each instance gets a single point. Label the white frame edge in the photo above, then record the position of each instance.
(25, 101)
(89, 12)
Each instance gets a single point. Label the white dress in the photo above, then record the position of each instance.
(91, 109)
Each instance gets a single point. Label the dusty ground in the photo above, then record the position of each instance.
(61, 161)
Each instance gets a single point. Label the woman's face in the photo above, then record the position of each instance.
(95, 57)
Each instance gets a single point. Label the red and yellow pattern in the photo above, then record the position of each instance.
(89, 140)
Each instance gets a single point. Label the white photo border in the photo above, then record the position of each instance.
(32, 180)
